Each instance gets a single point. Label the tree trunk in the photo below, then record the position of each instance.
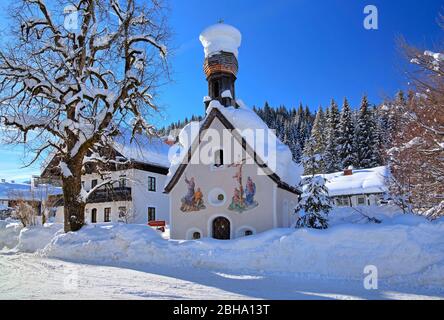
(74, 207)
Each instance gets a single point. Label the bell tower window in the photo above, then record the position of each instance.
(216, 89)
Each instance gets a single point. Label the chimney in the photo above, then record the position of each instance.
(169, 141)
(221, 43)
(348, 171)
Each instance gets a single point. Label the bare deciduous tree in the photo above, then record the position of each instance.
(74, 82)
(417, 154)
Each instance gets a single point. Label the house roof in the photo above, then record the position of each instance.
(143, 149)
(362, 181)
(24, 191)
(286, 174)
(145, 153)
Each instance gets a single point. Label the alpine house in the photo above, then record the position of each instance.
(230, 176)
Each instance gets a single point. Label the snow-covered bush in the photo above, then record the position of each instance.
(314, 205)
(26, 213)
(435, 212)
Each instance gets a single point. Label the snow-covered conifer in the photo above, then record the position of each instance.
(346, 133)
(315, 146)
(315, 204)
(365, 137)
(331, 158)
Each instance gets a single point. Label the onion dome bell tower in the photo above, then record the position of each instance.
(221, 43)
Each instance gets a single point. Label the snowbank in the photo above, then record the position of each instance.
(9, 233)
(35, 238)
(29, 239)
(402, 247)
(405, 249)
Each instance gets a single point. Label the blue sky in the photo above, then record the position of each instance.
(292, 51)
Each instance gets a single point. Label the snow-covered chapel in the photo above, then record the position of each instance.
(230, 175)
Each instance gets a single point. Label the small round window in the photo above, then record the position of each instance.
(248, 233)
(217, 197)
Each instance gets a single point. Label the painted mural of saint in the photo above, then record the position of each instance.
(193, 200)
(243, 197)
(250, 192)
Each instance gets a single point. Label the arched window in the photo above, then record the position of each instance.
(196, 235)
(219, 158)
(248, 233)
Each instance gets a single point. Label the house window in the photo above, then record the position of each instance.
(248, 233)
(151, 214)
(219, 158)
(361, 200)
(342, 201)
(93, 183)
(152, 184)
(94, 215)
(107, 215)
(196, 235)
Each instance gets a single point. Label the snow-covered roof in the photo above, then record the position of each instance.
(220, 37)
(362, 181)
(14, 191)
(144, 149)
(245, 121)
(3, 207)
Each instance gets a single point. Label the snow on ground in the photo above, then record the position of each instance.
(27, 276)
(119, 260)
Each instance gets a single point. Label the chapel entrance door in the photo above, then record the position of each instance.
(221, 228)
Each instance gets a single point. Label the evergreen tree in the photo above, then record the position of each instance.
(331, 157)
(380, 136)
(365, 141)
(315, 204)
(346, 133)
(315, 147)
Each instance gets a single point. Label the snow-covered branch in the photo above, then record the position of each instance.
(71, 87)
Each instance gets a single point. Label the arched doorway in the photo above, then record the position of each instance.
(221, 228)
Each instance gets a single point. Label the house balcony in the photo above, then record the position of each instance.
(110, 195)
